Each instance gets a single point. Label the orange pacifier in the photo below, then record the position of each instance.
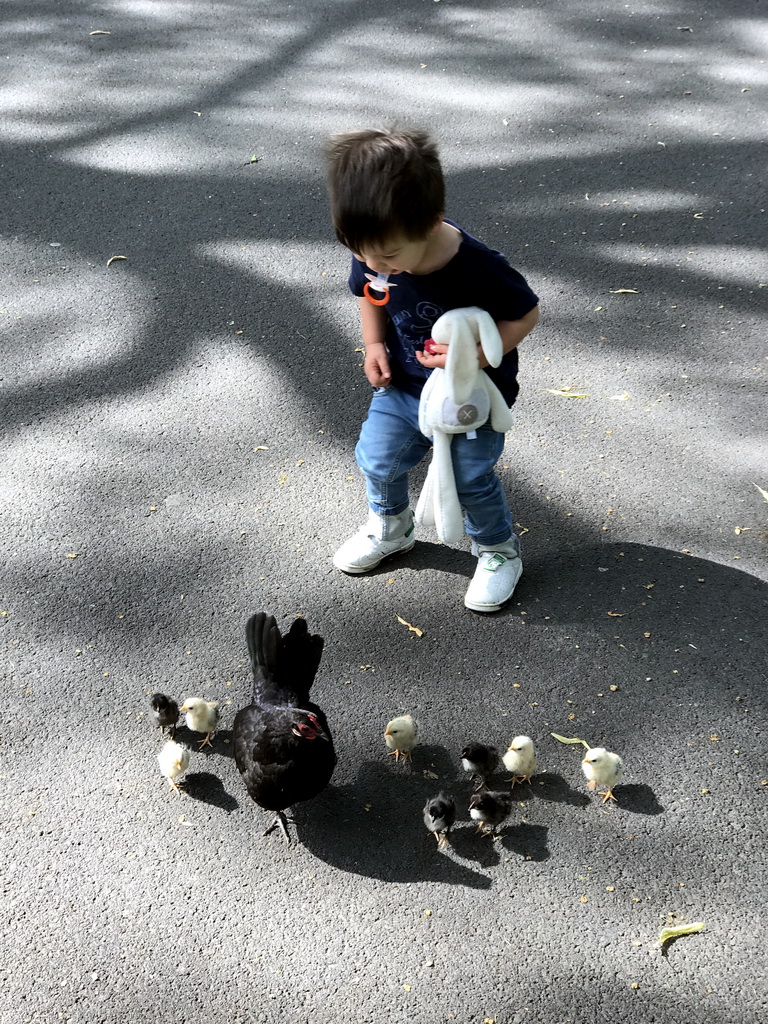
(380, 283)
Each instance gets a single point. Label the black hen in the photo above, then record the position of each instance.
(283, 747)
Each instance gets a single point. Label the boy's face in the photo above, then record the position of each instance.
(396, 255)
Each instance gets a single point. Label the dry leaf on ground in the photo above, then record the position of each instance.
(572, 739)
(414, 629)
(681, 929)
(567, 394)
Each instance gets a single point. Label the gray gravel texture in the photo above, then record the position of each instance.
(178, 432)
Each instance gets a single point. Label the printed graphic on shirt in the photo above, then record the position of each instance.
(414, 328)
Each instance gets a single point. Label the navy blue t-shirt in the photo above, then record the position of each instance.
(476, 276)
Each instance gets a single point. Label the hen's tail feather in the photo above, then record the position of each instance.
(284, 668)
(257, 635)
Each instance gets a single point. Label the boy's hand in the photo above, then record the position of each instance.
(437, 359)
(376, 365)
(434, 360)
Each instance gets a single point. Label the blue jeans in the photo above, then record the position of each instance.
(391, 444)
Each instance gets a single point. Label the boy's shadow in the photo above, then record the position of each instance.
(430, 555)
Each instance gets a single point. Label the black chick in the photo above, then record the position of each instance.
(489, 810)
(439, 816)
(283, 746)
(165, 712)
(480, 762)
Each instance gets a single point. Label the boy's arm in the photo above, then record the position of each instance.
(512, 333)
(374, 323)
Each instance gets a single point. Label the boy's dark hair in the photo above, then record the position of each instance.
(384, 182)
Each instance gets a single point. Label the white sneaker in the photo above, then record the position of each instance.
(381, 537)
(498, 570)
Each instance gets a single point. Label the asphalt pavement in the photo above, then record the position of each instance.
(181, 391)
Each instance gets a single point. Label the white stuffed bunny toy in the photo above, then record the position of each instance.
(457, 400)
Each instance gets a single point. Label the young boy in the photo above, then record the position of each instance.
(387, 203)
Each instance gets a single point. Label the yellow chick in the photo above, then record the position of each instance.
(520, 759)
(201, 716)
(400, 736)
(174, 761)
(602, 768)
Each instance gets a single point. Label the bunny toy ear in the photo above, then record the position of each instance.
(461, 365)
(490, 339)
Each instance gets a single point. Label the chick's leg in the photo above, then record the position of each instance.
(608, 795)
(206, 742)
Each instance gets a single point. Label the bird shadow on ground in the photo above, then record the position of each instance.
(470, 844)
(554, 788)
(222, 743)
(639, 799)
(523, 839)
(209, 789)
(526, 840)
(375, 828)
